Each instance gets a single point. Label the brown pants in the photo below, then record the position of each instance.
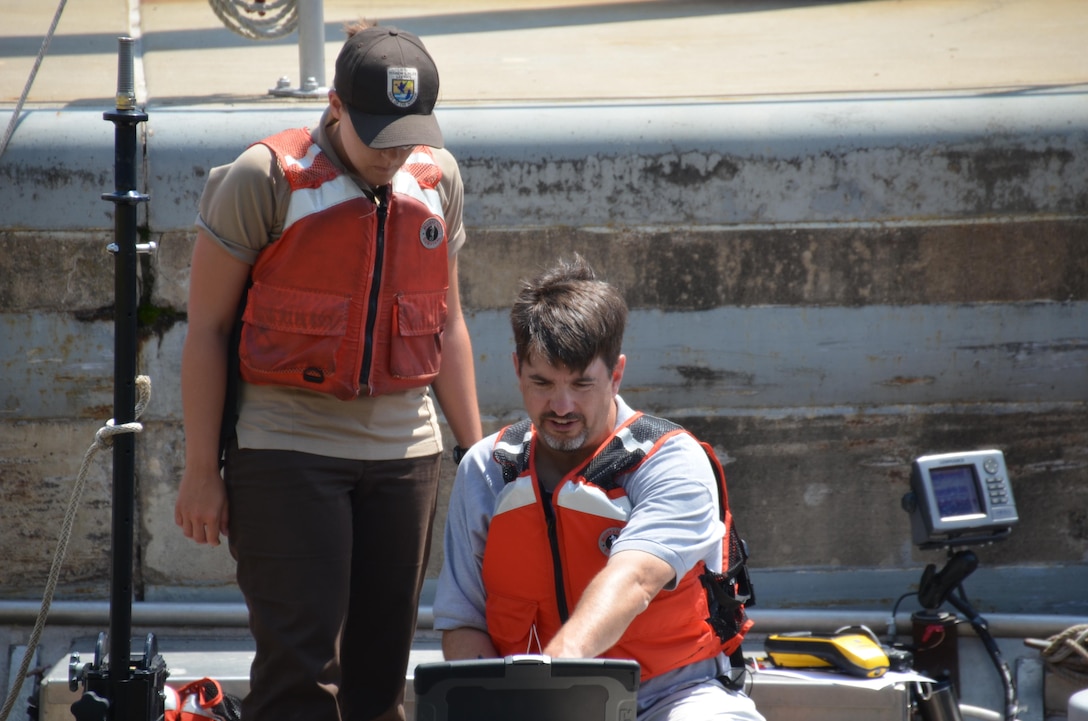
(331, 557)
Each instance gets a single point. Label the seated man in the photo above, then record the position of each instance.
(587, 532)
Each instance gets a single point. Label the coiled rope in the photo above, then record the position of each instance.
(1066, 654)
(102, 439)
(261, 20)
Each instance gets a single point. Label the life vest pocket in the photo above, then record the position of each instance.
(419, 318)
(511, 623)
(290, 336)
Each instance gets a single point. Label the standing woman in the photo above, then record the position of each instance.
(342, 244)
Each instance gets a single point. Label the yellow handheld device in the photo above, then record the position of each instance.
(853, 653)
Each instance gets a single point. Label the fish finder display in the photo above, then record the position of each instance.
(960, 498)
(956, 491)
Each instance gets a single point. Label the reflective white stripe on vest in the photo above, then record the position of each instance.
(631, 445)
(307, 201)
(514, 495)
(513, 450)
(592, 500)
(307, 160)
(405, 182)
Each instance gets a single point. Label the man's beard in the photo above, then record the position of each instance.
(565, 444)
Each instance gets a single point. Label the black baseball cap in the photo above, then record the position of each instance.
(389, 85)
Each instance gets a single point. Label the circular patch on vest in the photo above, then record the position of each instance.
(430, 233)
(607, 538)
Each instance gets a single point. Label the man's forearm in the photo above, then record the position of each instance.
(455, 386)
(461, 643)
(619, 593)
(203, 382)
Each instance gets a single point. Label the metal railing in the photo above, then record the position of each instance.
(180, 614)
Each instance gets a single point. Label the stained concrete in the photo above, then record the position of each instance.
(809, 255)
(850, 233)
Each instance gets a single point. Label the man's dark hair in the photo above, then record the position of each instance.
(567, 317)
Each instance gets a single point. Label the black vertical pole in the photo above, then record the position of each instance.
(121, 685)
(126, 198)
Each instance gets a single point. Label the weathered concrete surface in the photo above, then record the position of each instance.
(873, 316)
(818, 492)
(806, 161)
(39, 462)
(824, 290)
(824, 287)
(851, 232)
(818, 408)
(697, 267)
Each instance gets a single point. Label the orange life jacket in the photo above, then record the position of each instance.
(200, 700)
(540, 557)
(351, 298)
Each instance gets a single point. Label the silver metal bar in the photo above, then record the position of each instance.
(311, 54)
(311, 45)
(78, 613)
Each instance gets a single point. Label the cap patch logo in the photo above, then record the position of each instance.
(431, 233)
(401, 86)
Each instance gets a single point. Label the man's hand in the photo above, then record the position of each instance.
(201, 508)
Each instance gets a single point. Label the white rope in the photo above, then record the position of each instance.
(29, 82)
(1066, 653)
(102, 439)
(533, 636)
(258, 20)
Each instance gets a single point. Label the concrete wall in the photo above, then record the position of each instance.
(822, 289)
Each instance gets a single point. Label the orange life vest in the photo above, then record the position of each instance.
(351, 298)
(200, 700)
(540, 557)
